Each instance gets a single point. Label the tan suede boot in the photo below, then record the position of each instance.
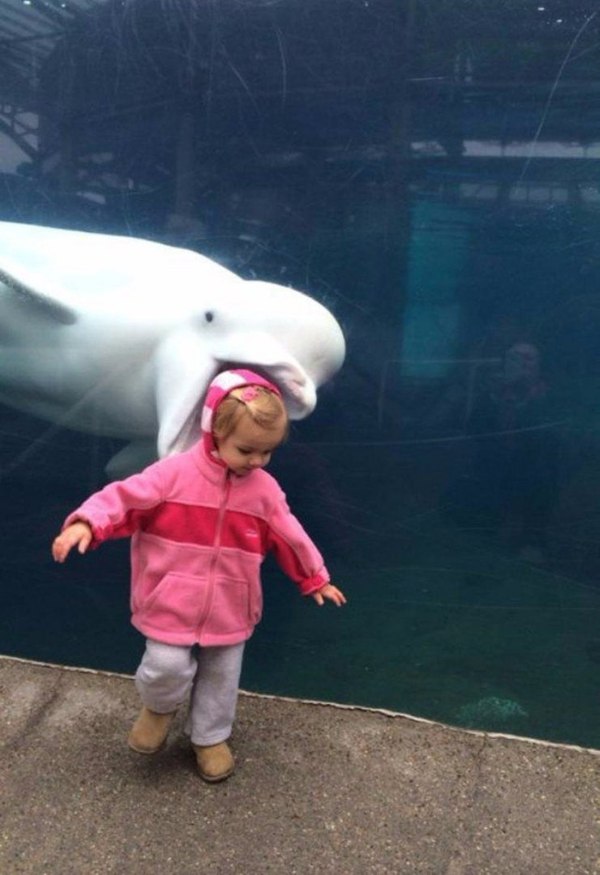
(215, 761)
(149, 732)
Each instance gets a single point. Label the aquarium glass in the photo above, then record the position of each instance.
(429, 170)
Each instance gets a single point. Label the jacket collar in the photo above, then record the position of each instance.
(211, 466)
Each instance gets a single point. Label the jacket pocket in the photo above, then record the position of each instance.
(233, 608)
(177, 603)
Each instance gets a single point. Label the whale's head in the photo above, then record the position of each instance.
(286, 335)
(121, 336)
(291, 337)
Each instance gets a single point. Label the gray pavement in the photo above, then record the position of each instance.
(318, 788)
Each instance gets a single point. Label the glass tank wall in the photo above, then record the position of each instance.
(427, 169)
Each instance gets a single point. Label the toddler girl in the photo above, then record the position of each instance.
(201, 523)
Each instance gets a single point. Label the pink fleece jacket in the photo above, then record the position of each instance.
(198, 537)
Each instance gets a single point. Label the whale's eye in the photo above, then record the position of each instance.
(209, 316)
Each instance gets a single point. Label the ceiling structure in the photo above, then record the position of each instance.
(29, 30)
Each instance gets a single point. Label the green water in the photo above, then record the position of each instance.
(447, 621)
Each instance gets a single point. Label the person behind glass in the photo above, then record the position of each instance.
(201, 523)
(517, 450)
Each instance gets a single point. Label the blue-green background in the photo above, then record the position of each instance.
(430, 171)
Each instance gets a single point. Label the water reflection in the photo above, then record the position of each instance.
(428, 172)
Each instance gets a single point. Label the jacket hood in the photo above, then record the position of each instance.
(220, 387)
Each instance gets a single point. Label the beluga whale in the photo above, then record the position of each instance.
(120, 336)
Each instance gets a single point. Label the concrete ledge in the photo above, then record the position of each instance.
(318, 788)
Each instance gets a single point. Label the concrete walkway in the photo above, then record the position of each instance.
(318, 788)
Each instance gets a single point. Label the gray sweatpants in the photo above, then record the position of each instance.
(167, 673)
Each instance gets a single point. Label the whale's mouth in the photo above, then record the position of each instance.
(184, 384)
(298, 390)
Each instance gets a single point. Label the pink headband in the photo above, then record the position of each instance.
(220, 387)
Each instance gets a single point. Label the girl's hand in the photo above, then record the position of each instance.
(330, 592)
(78, 535)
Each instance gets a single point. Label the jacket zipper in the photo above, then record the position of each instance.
(216, 548)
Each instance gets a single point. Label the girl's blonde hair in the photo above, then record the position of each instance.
(264, 407)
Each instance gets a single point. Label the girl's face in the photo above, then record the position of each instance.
(249, 446)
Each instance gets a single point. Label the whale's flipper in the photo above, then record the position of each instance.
(26, 286)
